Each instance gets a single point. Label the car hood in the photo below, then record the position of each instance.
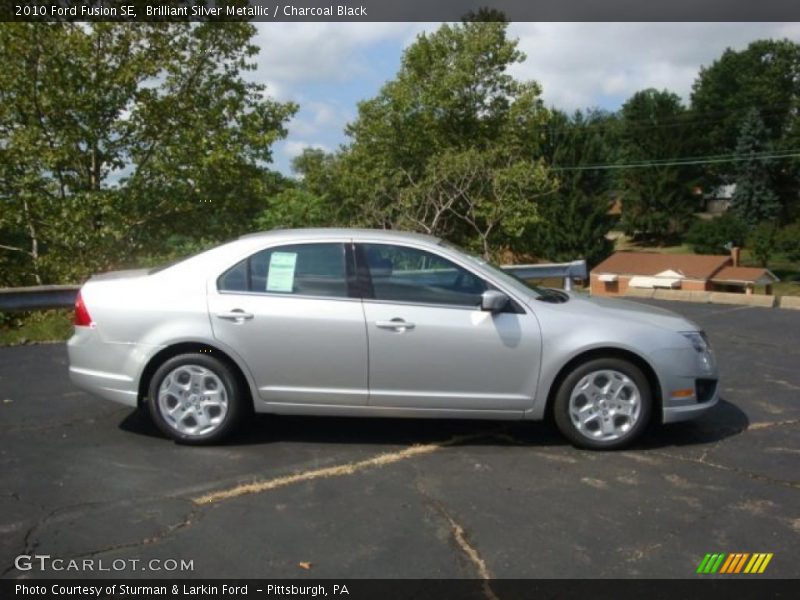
(626, 311)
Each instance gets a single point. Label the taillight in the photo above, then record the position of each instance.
(82, 316)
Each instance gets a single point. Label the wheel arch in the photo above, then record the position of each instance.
(175, 349)
(608, 352)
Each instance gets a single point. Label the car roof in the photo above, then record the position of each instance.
(326, 232)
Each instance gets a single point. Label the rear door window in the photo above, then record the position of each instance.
(297, 269)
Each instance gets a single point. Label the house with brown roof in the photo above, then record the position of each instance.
(695, 272)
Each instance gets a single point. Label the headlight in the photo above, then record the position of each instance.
(698, 340)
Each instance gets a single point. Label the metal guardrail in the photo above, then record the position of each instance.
(572, 270)
(41, 297)
(44, 297)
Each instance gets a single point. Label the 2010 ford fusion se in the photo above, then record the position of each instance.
(379, 323)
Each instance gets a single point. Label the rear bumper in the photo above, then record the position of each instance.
(111, 386)
(100, 367)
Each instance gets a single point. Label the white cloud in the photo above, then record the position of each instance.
(315, 118)
(586, 64)
(315, 52)
(327, 67)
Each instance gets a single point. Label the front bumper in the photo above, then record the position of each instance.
(674, 413)
(689, 385)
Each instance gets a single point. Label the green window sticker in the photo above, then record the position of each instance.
(281, 272)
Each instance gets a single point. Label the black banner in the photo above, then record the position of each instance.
(404, 10)
(740, 588)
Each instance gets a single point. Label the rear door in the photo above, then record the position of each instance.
(430, 345)
(289, 311)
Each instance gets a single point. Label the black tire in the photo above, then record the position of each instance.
(562, 400)
(236, 398)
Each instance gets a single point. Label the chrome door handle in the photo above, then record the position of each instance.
(395, 324)
(237, 315)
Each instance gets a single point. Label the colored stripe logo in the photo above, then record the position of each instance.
(735, 563)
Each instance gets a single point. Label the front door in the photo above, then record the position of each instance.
(430, 345)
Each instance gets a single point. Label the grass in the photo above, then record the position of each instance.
(787, 270)
(624, 243)
(35, 327)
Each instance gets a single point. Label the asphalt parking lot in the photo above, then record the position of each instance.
(313, 497)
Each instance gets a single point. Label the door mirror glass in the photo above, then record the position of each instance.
(493, 301)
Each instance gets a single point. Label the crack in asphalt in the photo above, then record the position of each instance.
(29, 547)
(379, 460)
(199, 504)
(702, 460)
(461, 541)
(782, 382)
(187, 521)
(770, 424)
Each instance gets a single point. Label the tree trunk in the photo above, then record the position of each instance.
(34, 252)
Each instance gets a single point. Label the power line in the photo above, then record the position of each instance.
(689, 116)
(714, 157)
(679, 162)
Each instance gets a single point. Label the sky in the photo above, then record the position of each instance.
(328, 67)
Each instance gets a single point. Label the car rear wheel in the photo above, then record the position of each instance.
(195, 399)
(604, 403)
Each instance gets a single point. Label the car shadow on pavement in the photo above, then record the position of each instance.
(725, 420)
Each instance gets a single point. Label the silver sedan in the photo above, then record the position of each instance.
(377, 323)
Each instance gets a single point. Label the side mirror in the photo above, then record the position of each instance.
(493, 301)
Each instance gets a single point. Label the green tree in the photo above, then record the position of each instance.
(714, 236)
(789, 241)
(434, 150)
(657, 201)
(576, 217)
(294, 207)
(764, 76)
(490, 192)
(763, 242)
(754, 199)
(114, 137)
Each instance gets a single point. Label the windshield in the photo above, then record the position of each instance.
(509, 279)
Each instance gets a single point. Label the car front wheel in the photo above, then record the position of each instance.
(603, 404)
(195, 399)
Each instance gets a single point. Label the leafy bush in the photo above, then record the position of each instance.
(711, 236)
(763, 242)
(789, 241)
(295, 207)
